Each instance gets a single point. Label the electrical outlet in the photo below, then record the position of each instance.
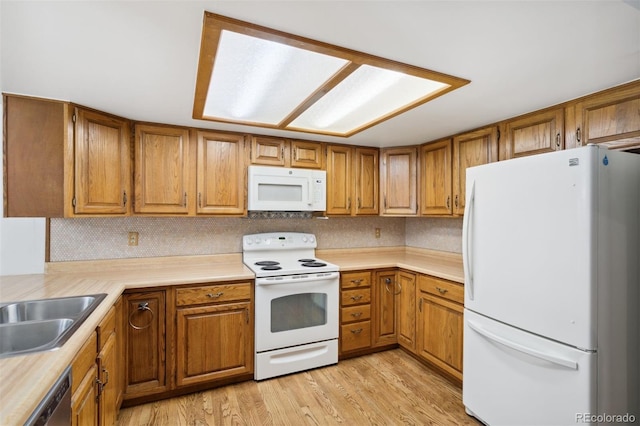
(377, 232)
(133, 238)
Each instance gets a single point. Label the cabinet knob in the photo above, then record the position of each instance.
(215, 295)
(356, 314)
(356, 297)
(441, 290)
(357, 331)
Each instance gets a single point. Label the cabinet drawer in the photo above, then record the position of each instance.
(356, 336)
(445, 289)
(213, 294)
(355, 297)
(356, 313)
(355, 279)
(106, 328)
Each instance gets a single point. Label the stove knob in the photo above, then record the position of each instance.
(312, 239)
(248, 241)
(304, 239)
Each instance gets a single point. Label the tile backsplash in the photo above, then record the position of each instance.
(106, 238)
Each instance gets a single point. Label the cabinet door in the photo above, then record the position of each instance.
(269, 151)
(435, 184)
(214, 342)
(398, 181)
(384, 308)
(162, 178)
(306, 154)
(407, 310)
(339, 179)
(84, 408)
(367, 178)
(469, 150)
(221, 178)
(108, 382)
(440, 325)
(611, 118)
(534, 134)
(102, 164)
(145, 344)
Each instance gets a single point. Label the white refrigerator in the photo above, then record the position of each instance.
(552, 302)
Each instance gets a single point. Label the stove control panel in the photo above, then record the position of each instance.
(278, 240)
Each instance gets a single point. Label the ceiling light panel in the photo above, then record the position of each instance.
(262, 81)
(258, 76)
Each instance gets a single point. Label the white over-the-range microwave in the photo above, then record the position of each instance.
(285, 189)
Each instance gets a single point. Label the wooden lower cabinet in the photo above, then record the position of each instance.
(146, 366)
(406, 299)
(355, 311)
(214, 334)
(84, 385)
(440, 324)
(385, 309)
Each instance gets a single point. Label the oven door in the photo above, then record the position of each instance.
(295, 310)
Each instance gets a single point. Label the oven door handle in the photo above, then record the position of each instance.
(298, 279)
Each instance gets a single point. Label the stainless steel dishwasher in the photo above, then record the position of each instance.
(55, 408)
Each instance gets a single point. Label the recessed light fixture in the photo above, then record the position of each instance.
(248, 74)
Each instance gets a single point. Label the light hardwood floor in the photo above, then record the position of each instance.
(386, 388)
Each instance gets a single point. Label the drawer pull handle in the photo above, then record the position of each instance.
(357, 282)
(142, 306)
(441, 290)
(356, 314)
(357, 297)
(357, 331)
(215, 295)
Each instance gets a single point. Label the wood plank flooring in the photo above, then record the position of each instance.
(386, 388)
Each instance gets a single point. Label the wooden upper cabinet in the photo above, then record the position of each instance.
(435, 178)
(469, 150)
(398, 183)
(610, 118)
(102, 164)
(339, 179)
(352, 180)
(271, 151)
(221, 177)
(162, 172)
(57, 168)
(306, 154)
(533, 134)
(367, 181)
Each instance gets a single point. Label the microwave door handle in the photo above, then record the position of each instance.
(309, 189)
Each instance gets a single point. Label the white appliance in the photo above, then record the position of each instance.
(284, 189)
(296, 303)
(552, 300)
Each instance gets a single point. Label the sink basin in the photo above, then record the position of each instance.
(42, 325)
(46, 309)
(31, 335)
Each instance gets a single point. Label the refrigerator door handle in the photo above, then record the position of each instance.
(522, 348)
(467, 232)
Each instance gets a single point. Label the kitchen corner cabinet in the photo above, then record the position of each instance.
(435, 178)
(221, 179)
(535, 133)
(352, 180)
(406, 298)
(385, 292)
(147, 369)
(610, 118)
(355, 311)
(75, 161)
(271, 151)
(162, 170)
(398, 181)
(471, 149)
(214, 335)
(440, 324)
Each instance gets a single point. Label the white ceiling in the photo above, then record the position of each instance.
(138, 59)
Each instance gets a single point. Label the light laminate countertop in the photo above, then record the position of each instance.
(25, 380)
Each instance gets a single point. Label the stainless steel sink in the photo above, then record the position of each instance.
(42, 325)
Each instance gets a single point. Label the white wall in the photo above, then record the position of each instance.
(22, 240)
